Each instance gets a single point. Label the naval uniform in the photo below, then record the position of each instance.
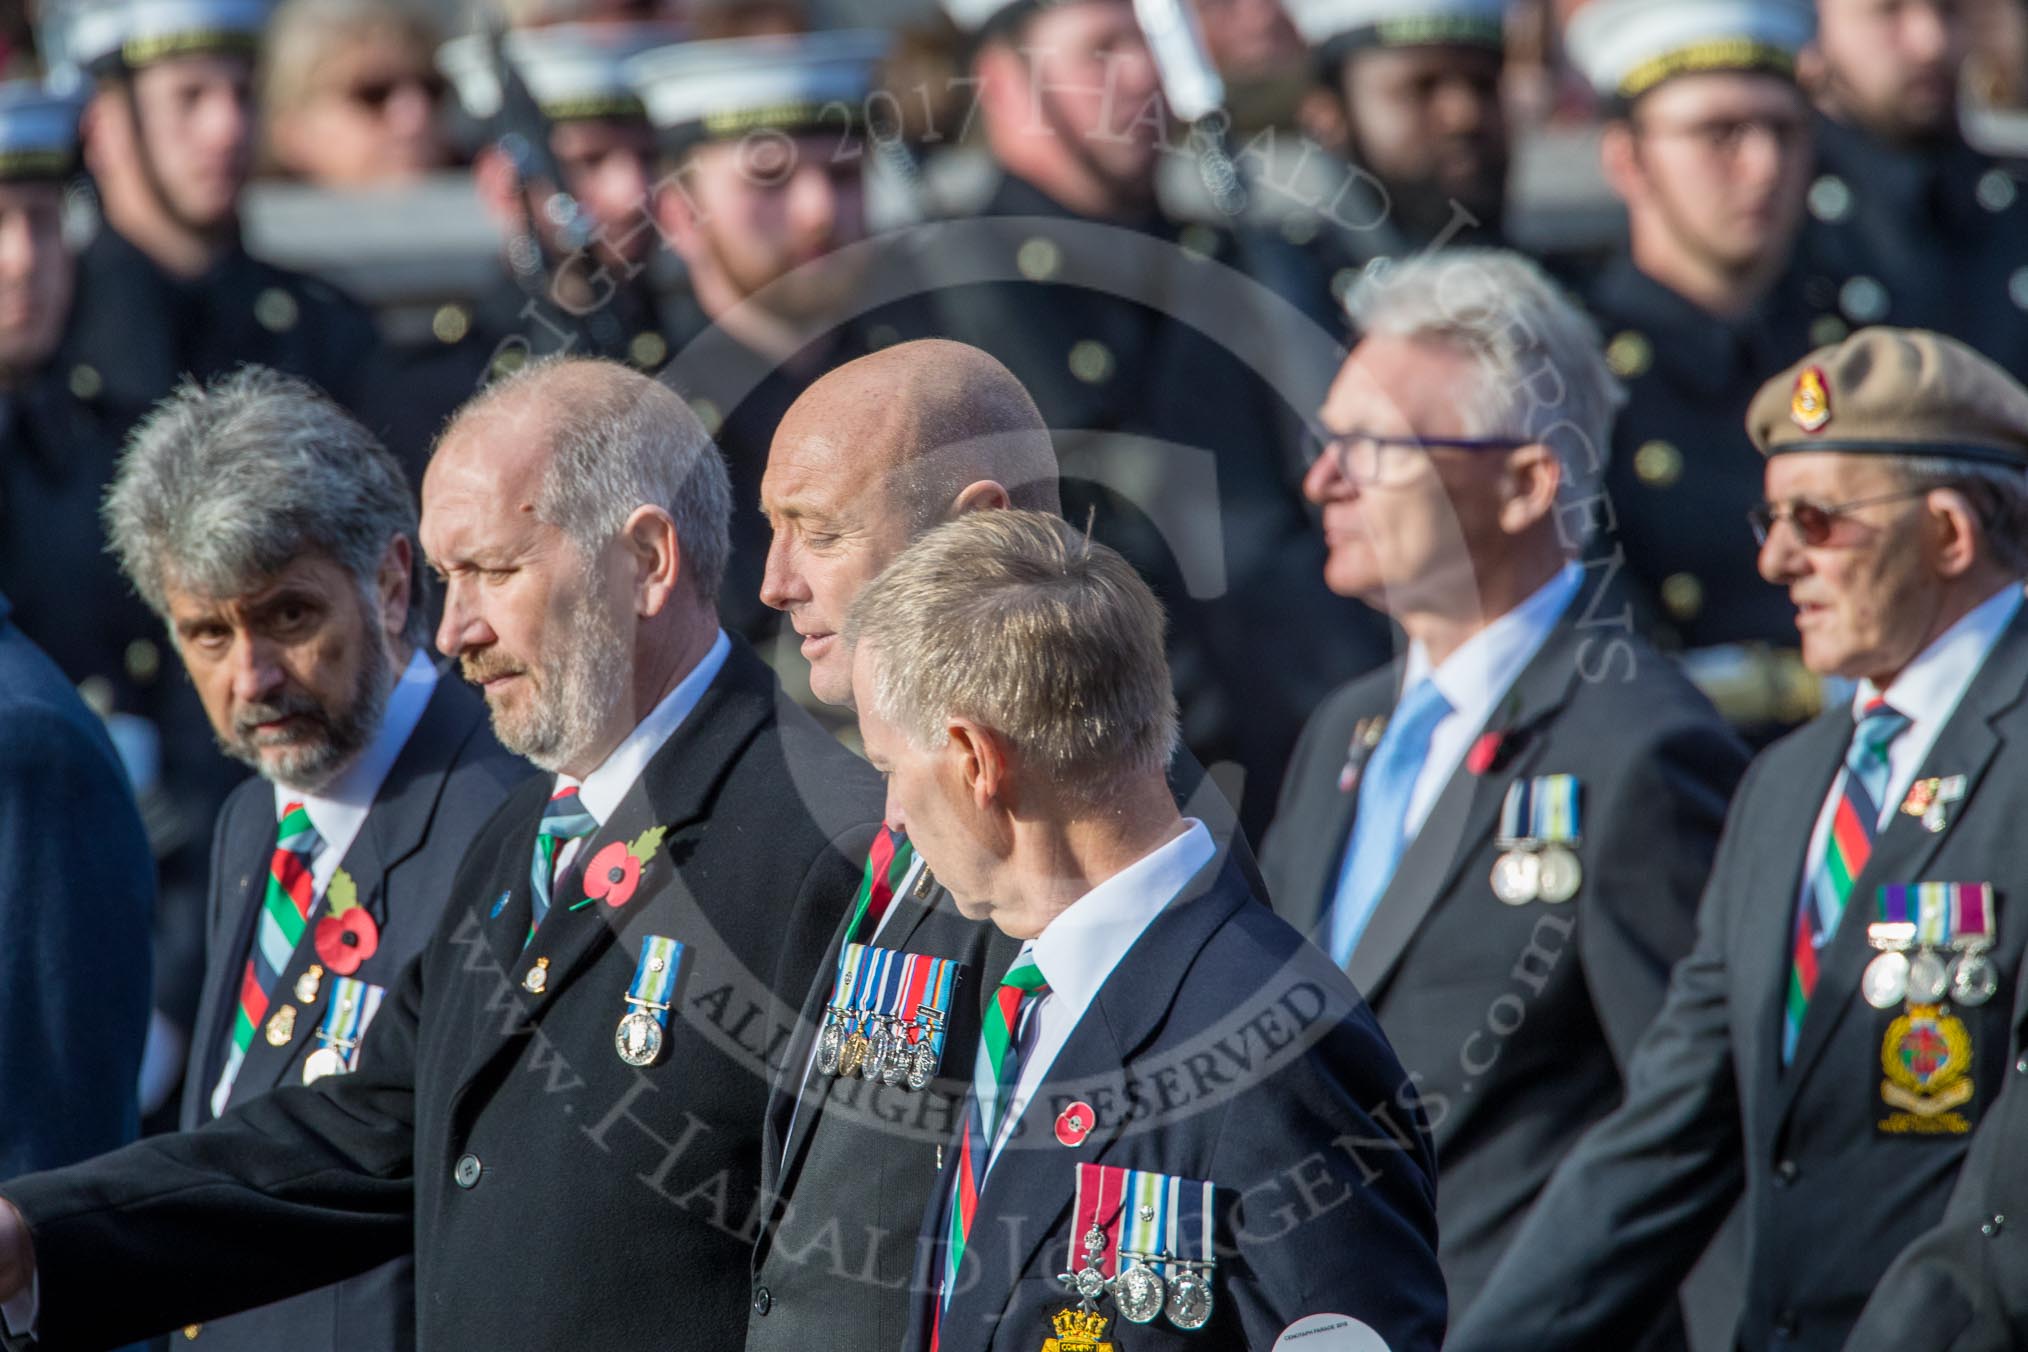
(553, 1191)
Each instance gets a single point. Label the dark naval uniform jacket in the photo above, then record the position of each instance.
(449, 778)
(74, 902)
(1832, 1191)
(1963, 1285)
(553, 1194)
(1932, 237)
(1683, 474)
(1516, 1022)
(1176, 390)
(1221, 1049)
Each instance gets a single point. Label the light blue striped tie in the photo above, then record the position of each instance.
(563, 820)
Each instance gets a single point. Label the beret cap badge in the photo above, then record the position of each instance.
(1810, 405)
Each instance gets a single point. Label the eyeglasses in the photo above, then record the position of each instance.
(374, 95)
(1814, 522)
(1366, 459)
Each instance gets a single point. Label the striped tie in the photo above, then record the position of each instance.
(887, 863)
(563, 820)
(994, 1073)
(285, 914)
(1847, 847)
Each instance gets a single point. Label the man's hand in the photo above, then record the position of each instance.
(17, 1252)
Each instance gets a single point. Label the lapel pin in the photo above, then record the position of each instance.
(499, 904)
(1074, 1123)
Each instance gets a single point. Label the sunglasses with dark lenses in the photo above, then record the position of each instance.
(375, 95)
(1813, 522)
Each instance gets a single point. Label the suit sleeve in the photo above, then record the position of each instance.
(1630, 1209)
(292, 1190)
(1335, 1206)
(75, 971)
(1656, 828)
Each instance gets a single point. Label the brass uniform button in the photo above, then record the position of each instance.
(1683, 595)
(1091, 361)
(648, 350)
(1658, 464)
(1039, 259)
(1830, 199)
(1630, 354)
(450, 324)
(276, 310)
(85, 381)
(144, 661)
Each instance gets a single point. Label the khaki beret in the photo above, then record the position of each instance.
(1894, 392)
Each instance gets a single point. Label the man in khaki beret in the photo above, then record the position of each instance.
(1841, 1030)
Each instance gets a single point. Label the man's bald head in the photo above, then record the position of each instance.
(926, 420)
(873, 455)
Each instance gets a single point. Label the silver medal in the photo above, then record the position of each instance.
(1517, 877)
(895, 1069)
(879, 1049)
(1190, 1300)
(1139, 1293)
(922, 1067)
(1885, 981)
(1974, 980)
(324, 1061)
(1929, 979)
(638, 1039)
(830, 1043)
(1558, 875)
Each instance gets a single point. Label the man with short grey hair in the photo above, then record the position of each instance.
(1502, 838)
(276, 538)
(1011, 686)
(559, 1109)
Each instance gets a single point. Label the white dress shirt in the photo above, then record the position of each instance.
(1474, 679)
(1928, 691)
(1079, 949)
(602, 790)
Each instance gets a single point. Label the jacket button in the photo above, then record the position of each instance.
(466, 1172)
(1993, 1226)
(762, 1301)
(1785, 1173)
(2022, 1065)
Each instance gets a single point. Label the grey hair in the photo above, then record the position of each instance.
(1017, 621)
(1998, 494)
(224, 485)
(621, 444)
(1543, 374)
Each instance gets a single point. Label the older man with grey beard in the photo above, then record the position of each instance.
(276, 539)
(558, 1111)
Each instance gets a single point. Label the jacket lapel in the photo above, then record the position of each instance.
(1032, 1185)
(243, 888)
(1966, 746)
(1467, 811)
(1314, 885)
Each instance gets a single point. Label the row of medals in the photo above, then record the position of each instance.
(1549, 873)
(1967, 977)
(328, 1058)
(885, 1055)
(1139, 1290)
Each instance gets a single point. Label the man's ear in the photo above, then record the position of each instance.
(1619, 157)
(1955, 526)
(397, 586)
(650, 539)
(982, 762)
(983, 496)
(1534, 477)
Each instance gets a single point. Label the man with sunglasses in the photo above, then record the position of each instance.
(1502, 838)
(1839, 1032)
(1707, 142)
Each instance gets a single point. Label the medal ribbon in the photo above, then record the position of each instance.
(1934, 903)
(1102, 1201)
(1514, 813)
(1162, 1219)
(651, 988)
(867, 993)
(1973, 903)
(347, 1017)
(935, 980)
(1554, 802)
(851, 963)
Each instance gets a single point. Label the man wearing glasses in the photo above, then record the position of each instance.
(1502, 838)
(1841, 1030)
(1707, 142)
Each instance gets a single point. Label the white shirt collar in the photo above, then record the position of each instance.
(1473, 678)
(602, 789)
(339, 809)
(1078, 950)
(1929, 688)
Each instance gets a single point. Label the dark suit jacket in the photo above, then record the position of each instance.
(1963, 1285)
(553, 1194)
(75, 888)
(1516, 1022)
(1222, 1048)
(448, 780)
(1830, 1199)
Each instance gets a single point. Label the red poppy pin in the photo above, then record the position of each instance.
(1485, 752)
(615, 872)
(1074, 1123)
(348, 936)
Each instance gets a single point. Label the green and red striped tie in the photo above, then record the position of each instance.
(887, 862)
(285, 915)
(994, 1073)
(1849, 844)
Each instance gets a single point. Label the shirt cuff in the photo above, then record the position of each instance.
(19, 1314)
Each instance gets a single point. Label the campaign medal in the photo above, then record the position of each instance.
(1929, 978)
(644, 1028)
(890, 1010)
(309, 984)
(1974, 978)
(1517, 877)
(838, 1014)
(281, 1029)
(1154, 1231)
(1189, 1305)
(829, 1042)
(880, 1049)
(1139, 1293)
(852, 1059)
(1560, 874)
(923, 1055)
(1885, 981)
(1539, 828)
(353, 1005)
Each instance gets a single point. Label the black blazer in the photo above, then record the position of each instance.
(1830, 1199)
(553, 1194)
(1222, 1048)
(1516, 1022)
(447, 781)
(1963, 1285)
